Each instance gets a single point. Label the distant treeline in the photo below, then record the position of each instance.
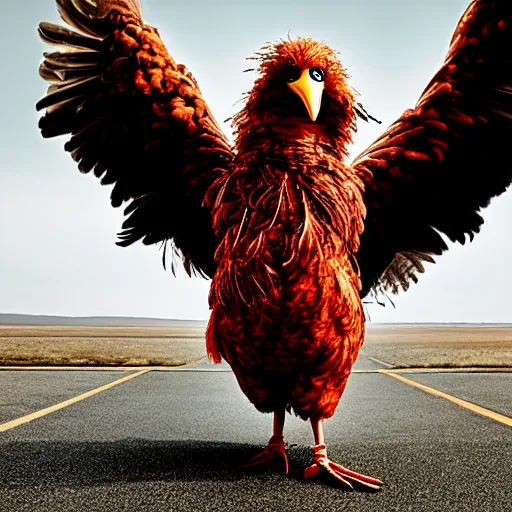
(97, 321)
(126, 321)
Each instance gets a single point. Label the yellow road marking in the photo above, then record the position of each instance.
(463, 403)
(461, 369)
(378, 361)
(43, 412)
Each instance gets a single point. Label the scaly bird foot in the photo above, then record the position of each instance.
(272, 457)
(336, 475)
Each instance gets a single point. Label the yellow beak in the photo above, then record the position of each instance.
(310, 92)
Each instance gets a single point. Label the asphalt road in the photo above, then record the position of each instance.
(172, 441)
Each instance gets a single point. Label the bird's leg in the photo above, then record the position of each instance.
(274, 455)
(333, 473)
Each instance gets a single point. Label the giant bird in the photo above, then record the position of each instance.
(292, 235)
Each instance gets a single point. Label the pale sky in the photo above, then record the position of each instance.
(58, 231)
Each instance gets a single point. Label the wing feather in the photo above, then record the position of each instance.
(138, 121)
(440, 163)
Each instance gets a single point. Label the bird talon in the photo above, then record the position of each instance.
(272, 457)
(338, 476)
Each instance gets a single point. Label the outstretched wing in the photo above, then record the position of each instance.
(439, 164)
(138, 121)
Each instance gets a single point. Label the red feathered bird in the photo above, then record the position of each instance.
(292, 235)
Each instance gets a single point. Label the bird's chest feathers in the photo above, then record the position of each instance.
(294, 203)
(285, 231)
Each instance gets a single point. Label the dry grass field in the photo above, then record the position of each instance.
(130, 346)
(399, 345)
(455, 346)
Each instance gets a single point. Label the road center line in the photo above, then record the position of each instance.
(463, 403)
(43, 412)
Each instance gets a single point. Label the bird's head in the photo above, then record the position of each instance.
(301, 81)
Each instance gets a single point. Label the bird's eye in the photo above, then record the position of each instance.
(316, 74)
(292, 73)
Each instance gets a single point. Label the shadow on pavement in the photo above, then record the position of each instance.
(80, 464)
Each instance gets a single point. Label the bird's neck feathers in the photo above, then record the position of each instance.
(275, 122)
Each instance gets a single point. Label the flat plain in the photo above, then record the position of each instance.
(89, 345)
(400, 346)
(443, 346)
